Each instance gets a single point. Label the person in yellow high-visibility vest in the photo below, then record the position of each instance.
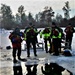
(55, 42)
(57, 35)
(30, 37)
(46, 36)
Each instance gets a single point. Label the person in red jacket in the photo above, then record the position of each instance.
(69, 30)
(16, 40)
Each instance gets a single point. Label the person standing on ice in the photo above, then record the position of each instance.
(69, 30)
(46, 36)
(56, 38)
(60, 36)
(30, 37)
(16, 40)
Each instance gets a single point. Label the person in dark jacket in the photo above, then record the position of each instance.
(61, 34)
(16, 40)
(69, 30)
(30, 37)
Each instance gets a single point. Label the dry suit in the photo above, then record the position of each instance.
(16, 40)
(30, 36)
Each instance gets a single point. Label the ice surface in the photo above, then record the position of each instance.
(6, 63)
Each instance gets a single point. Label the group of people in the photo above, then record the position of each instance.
(53, 34)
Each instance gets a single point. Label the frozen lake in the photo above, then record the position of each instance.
(6, 64)
(4, 40)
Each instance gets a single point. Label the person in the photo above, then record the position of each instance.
(61, 34)
(56, 38)
(46, 36)
(30, 37)
(16, 40)
(69, 30)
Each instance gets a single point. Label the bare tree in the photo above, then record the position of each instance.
(58, 18)
(21, 15)
(66, 10)
(47, 15)
(7, 17)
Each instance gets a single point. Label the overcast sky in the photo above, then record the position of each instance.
(35, 6)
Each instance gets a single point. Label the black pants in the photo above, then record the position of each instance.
(46, 47)
(69, 40)
(56, 45)
(59, 40)
(33, 42)
(16, 51)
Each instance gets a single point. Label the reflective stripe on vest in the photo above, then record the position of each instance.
(24, 36)
(59, 35)
(46, 35)
(54, 37)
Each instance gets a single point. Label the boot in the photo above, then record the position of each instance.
(14, 60)
(35, 54)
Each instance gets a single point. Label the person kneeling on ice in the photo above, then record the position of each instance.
(16, 40)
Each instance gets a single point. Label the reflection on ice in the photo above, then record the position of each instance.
(40, 69)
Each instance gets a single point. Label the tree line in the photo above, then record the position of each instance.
(42, 19)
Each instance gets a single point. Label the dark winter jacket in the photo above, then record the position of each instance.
(16, 39)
